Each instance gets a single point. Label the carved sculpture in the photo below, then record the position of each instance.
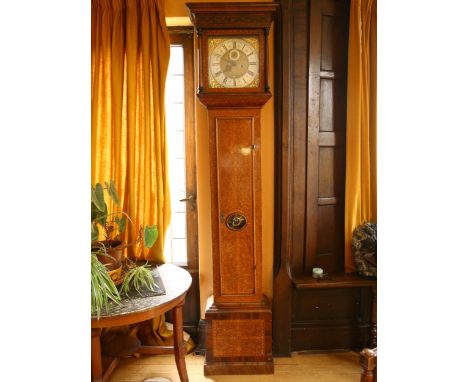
(364, 244)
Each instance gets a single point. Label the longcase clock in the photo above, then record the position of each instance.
(233, 85)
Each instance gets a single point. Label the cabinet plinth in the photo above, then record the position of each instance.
(238, 339)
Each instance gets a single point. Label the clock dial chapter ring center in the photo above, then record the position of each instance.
(234, 68)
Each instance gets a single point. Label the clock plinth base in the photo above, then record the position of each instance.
(238, 339)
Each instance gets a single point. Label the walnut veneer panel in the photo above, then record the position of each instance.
(235, 185)
(238, 338)
(235, 193)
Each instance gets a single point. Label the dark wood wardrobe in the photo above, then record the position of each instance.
(311, 79)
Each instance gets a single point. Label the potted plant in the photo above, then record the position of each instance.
(108, 223)
(103, 288)
(107, 245)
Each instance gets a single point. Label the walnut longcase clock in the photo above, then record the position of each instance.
(233, 85)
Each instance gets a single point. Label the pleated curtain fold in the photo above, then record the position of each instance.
(361, 136)
(129, 60)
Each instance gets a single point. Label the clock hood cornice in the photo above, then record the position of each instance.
(232, 15)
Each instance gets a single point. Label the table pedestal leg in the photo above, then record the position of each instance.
(96, 365)
(180, 348)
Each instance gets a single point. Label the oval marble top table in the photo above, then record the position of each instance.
(176, 281)
(133, 310)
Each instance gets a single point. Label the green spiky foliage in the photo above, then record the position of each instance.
(137, 278)
(103, 288)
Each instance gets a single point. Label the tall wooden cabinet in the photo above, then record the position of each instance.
(234, 85)
(335, 313)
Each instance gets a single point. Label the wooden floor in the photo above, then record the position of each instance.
(331, 367)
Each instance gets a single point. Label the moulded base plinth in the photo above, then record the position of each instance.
(238, 339)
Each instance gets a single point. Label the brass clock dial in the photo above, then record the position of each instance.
(233, 62)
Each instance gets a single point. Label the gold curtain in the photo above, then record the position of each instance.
(361, 145)
(129, 59)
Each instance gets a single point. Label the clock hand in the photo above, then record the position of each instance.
(228, 66)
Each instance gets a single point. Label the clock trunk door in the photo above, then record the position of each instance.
(236, 199)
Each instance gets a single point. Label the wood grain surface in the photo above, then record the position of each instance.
(331, 367)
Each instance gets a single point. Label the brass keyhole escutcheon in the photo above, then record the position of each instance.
(236, 221)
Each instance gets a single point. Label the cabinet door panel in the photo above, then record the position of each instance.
(236, 191)
(325, 159)
(235, 188)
